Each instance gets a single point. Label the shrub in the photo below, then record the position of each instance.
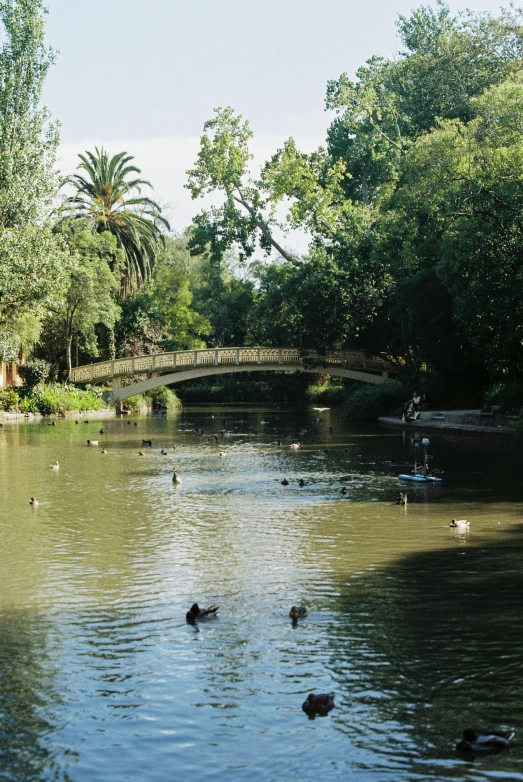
(8, 399)
(163, 398)
(508, 396)
(369, 402)
(53, 399)
(325, 392)
(34, 372)
(136, 403)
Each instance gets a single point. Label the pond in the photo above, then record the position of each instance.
(415, 627)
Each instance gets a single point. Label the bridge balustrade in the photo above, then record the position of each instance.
(184, 359)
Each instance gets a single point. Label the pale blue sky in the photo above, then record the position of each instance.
(143, 75)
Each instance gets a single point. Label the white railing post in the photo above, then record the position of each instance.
(237, 355)
(195, 358)
(280, 356)
(258, 359)
(216, 356)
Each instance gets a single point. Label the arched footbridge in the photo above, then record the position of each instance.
(165, 369)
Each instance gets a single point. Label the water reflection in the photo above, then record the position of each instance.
(435, 641)
(29, 701)
(415, 626)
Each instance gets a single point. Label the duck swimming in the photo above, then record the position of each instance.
(176, 480)
(298, 612)
(92, 442)
(484, 743)
(285, 482)
(164, 453)
(54, 466)
(33, 501)
(460, 523)
(103, 450)
(294, 446)
(195, 612)
(346, 478)
(318, 704)
(402, 498)
(303, 482)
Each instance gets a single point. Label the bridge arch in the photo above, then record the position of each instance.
(164, 369)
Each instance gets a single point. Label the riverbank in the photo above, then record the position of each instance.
(469, 421)
(17, 418)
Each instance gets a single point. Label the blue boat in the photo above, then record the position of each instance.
(420, 478)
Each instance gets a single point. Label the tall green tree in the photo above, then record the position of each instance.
(33, 265)
(89, 298)
(108, 196)
(245, 217)
(162, 315)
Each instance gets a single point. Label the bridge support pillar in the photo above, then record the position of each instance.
(116, 385)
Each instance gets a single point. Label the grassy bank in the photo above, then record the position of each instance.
(51, 399)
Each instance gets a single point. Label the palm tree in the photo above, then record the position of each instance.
(110, 201)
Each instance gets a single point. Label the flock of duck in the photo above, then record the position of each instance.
(316, 704)
(320, 704)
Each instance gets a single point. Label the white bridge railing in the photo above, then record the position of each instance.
(188, 359)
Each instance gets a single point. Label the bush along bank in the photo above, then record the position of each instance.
(57, 399)
(52, 399)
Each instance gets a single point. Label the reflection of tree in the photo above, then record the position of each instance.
(433, 643)
(27, 699)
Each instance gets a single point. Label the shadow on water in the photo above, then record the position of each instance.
(28, 698)
(432, 644)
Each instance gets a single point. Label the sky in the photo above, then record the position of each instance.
(142, 76)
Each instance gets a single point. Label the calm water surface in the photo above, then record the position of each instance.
(418, 629)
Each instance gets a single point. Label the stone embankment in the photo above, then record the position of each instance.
(458, 421)
(20, 418)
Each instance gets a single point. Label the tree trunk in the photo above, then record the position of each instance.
(68, 353)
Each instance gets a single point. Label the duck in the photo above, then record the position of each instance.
(294, 446)
(53, 423)
(54, 466)
(92, 442)
(402, 498)
(176, 480)
(33, 501)
(141, 453)
(146, 443)
(222, 453)
(319, 704)
(285, 482)
(460, 523)
(164, 453)
(346, 478)
(103, 450)
(484, 743)
(303, 482)
(298, 612)
(344, 490)
(195, 612)
(101, 431)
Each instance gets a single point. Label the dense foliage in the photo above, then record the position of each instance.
(412, 205)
